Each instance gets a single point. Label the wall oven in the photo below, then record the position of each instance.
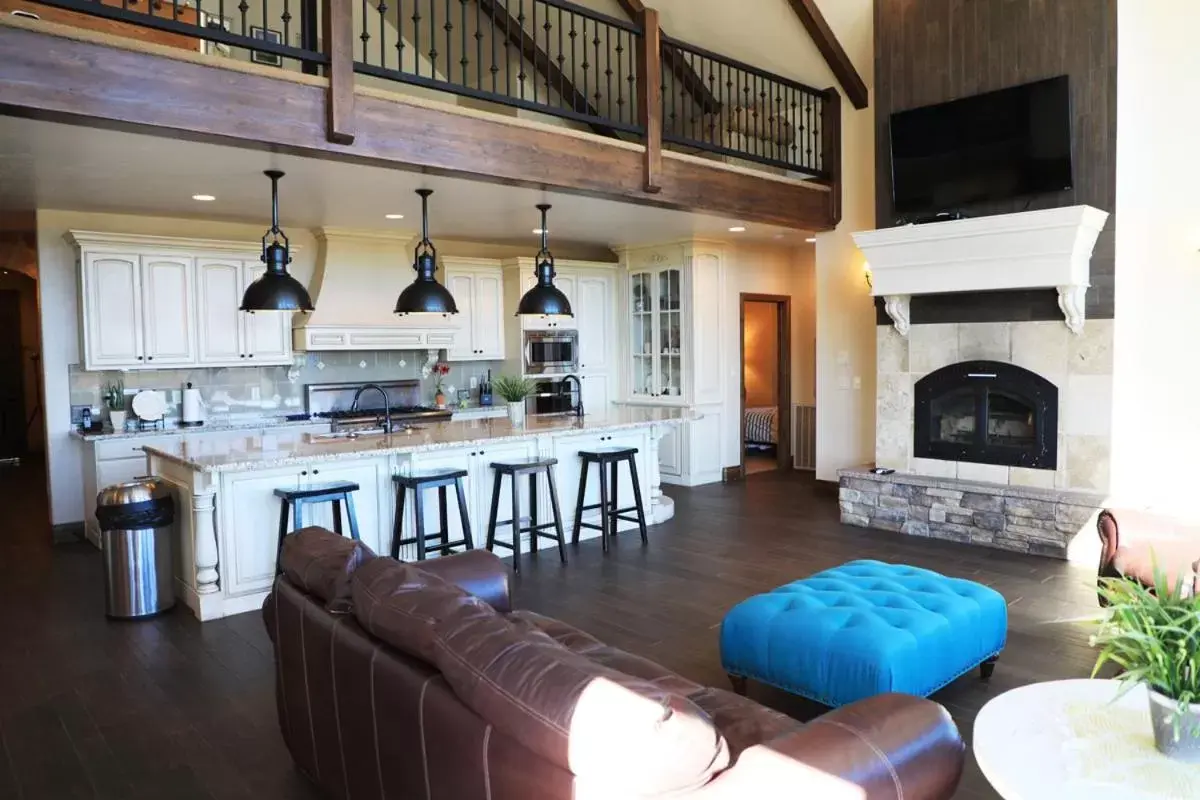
(551, 352)
(550, 396)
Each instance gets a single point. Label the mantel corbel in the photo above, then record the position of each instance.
(896, 306)
(1071, 301)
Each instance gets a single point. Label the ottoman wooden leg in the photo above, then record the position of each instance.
(987, 668)
(739, 684)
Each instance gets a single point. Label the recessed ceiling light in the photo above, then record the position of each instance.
(811, 240)
(203, 198)
(539, 231)
(738, 229)
(393, 216)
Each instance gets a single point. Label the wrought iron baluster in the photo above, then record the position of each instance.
(416, 18)
(364, 36)
(808, 154)
(777, 135)
(574, 35)
(433, 53)
(792, 124)
(479, 47)
(608, 70)
(596, 66)
(562, 58)
(265, 24)
(492, 46)
(243, 7)
(621, 37)
(521, 53)
(382, 8)
(464, 60)
(585, 65)
(400, 35)
(286, 17)
(533, 55)
(175, 9)
(448, 27)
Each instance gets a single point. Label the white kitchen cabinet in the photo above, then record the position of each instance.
(229, 336)
(248, 507)
(656, 347)
(113, 310)
(565, 281)
(595, 393)
(268, 334)
(168, 313)
(593, 308)
(477, 287)
(152, 302)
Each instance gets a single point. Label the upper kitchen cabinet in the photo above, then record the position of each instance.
(151, 302)
(477, 285)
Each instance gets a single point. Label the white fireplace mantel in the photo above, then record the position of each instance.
(1051, 248)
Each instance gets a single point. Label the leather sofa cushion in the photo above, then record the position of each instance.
(1177, 560)
(619, 734)
(321, 564)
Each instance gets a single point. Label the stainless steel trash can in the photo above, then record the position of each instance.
(137, 520)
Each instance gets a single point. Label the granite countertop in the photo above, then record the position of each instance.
(172, 427)
(267, 451)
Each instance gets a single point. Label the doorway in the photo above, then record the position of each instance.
(766, 435)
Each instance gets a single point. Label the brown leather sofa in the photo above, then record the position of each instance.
(403, 681)
(1133, 543)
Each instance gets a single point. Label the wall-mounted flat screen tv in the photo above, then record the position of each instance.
(1009, 143)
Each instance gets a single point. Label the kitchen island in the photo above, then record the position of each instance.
(228, 514)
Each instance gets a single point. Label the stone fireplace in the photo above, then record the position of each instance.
(999, 433)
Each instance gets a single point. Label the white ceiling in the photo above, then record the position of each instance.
(50, 165)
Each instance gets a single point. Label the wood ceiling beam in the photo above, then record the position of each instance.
(74, 81)
(542, 63)
(831, 50)
(687, 76)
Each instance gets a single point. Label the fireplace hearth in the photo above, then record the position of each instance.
(986, 412)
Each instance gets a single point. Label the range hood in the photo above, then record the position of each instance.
(357, 278)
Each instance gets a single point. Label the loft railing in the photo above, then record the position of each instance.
(550, 56)
(270, 33)
(715, 104)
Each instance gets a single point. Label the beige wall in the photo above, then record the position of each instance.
(1156, 434)
(760, 342)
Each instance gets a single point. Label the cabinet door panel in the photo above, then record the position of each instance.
(249, 521)
(434, 462)
(487, 323)
(167, 310)
(595, 394)
(219, 293)
(112, 311)
(593, 313)
(268, 334)
(372, 477)
(462, 287)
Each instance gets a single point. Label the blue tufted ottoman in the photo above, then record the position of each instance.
(862, 629)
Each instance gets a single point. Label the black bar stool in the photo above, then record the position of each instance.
(514, 470)
(294, 501)
(419, 482)
(610, 510)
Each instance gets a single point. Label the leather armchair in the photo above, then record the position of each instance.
(1133, 543)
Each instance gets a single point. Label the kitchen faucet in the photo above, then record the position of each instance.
(578, 385)
(387, 410)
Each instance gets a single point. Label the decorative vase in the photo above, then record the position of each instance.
(516, 413)
(1176, 736)
(117, 420)
(439, 399)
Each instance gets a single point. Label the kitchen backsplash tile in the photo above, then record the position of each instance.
(275, 390)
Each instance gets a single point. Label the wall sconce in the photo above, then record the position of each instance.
(867, 275)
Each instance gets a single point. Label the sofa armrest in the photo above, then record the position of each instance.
(886, 747)
(477, 572)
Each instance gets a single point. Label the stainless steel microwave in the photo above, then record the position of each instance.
(551, 352)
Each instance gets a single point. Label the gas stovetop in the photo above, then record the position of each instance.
(333, 401)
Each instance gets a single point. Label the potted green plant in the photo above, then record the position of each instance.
(114, 401)
(1153, 635)
(514, 389)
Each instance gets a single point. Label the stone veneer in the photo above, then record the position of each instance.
(1081, 366)
(1017, 518)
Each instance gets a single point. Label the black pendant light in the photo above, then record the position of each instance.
(425, 295)
(544, 299)
(275, 290)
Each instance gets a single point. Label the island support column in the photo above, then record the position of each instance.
(661, 508)
(203, 506)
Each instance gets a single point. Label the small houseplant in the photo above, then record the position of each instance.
(514, 389)
(114, 401)
(1153, 635)
(439, 371)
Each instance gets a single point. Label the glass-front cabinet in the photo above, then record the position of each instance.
(656, 332)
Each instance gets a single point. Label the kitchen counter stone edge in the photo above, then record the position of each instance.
(227, 457)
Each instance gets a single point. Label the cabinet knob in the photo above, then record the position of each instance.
(252, 355)
(139, 358)
(149, 358)
(305, 472)
(316, 472)
(243, 355)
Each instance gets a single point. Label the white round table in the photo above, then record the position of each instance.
(1067, 740)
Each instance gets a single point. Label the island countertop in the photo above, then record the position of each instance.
(282, 449)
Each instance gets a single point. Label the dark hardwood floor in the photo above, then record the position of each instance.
(172, 708)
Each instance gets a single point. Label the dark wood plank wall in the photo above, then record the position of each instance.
(931, 51)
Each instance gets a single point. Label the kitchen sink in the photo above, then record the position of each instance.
(362, 433)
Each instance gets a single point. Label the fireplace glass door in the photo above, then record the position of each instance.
(989, 413)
